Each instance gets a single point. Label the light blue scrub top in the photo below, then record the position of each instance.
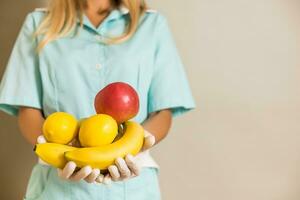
(69, 71)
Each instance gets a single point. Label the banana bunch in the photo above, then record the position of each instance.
(102, 138)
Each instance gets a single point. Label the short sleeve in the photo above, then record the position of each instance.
(169, 87)
(21, 81)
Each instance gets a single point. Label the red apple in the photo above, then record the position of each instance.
(118, 100)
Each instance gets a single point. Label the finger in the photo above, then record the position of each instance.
(68, 170)
(114, 172)
(93, 175)
(107, 179)
(149, 141)
(81, 174)
(41, 139)
(146, 133)
(100, 178)
(134, 168)
(123, 168)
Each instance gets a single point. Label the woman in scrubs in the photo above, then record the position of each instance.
(63, 55)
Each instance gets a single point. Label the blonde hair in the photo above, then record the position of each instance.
(62, 16)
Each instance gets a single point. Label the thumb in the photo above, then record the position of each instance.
(149, 141)
(41, 139)
(107, 179)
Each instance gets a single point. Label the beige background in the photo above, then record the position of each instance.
(242, 59)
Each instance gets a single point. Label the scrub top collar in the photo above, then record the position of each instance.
(116, 13)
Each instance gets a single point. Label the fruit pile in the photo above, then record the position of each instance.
(102, 137)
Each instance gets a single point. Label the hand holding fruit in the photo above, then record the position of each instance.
(101, 149)
(128, 167)
(68, 171)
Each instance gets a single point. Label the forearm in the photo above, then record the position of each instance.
(30, 122)
(159, 124)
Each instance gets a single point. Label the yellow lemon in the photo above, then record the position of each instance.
(98, 130)
(60, 127)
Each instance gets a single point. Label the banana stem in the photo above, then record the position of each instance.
(120, 131)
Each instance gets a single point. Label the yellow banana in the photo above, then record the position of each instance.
(53, 153)
(101, 157)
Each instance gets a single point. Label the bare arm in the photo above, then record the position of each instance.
(30, 122)
(159, 124)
